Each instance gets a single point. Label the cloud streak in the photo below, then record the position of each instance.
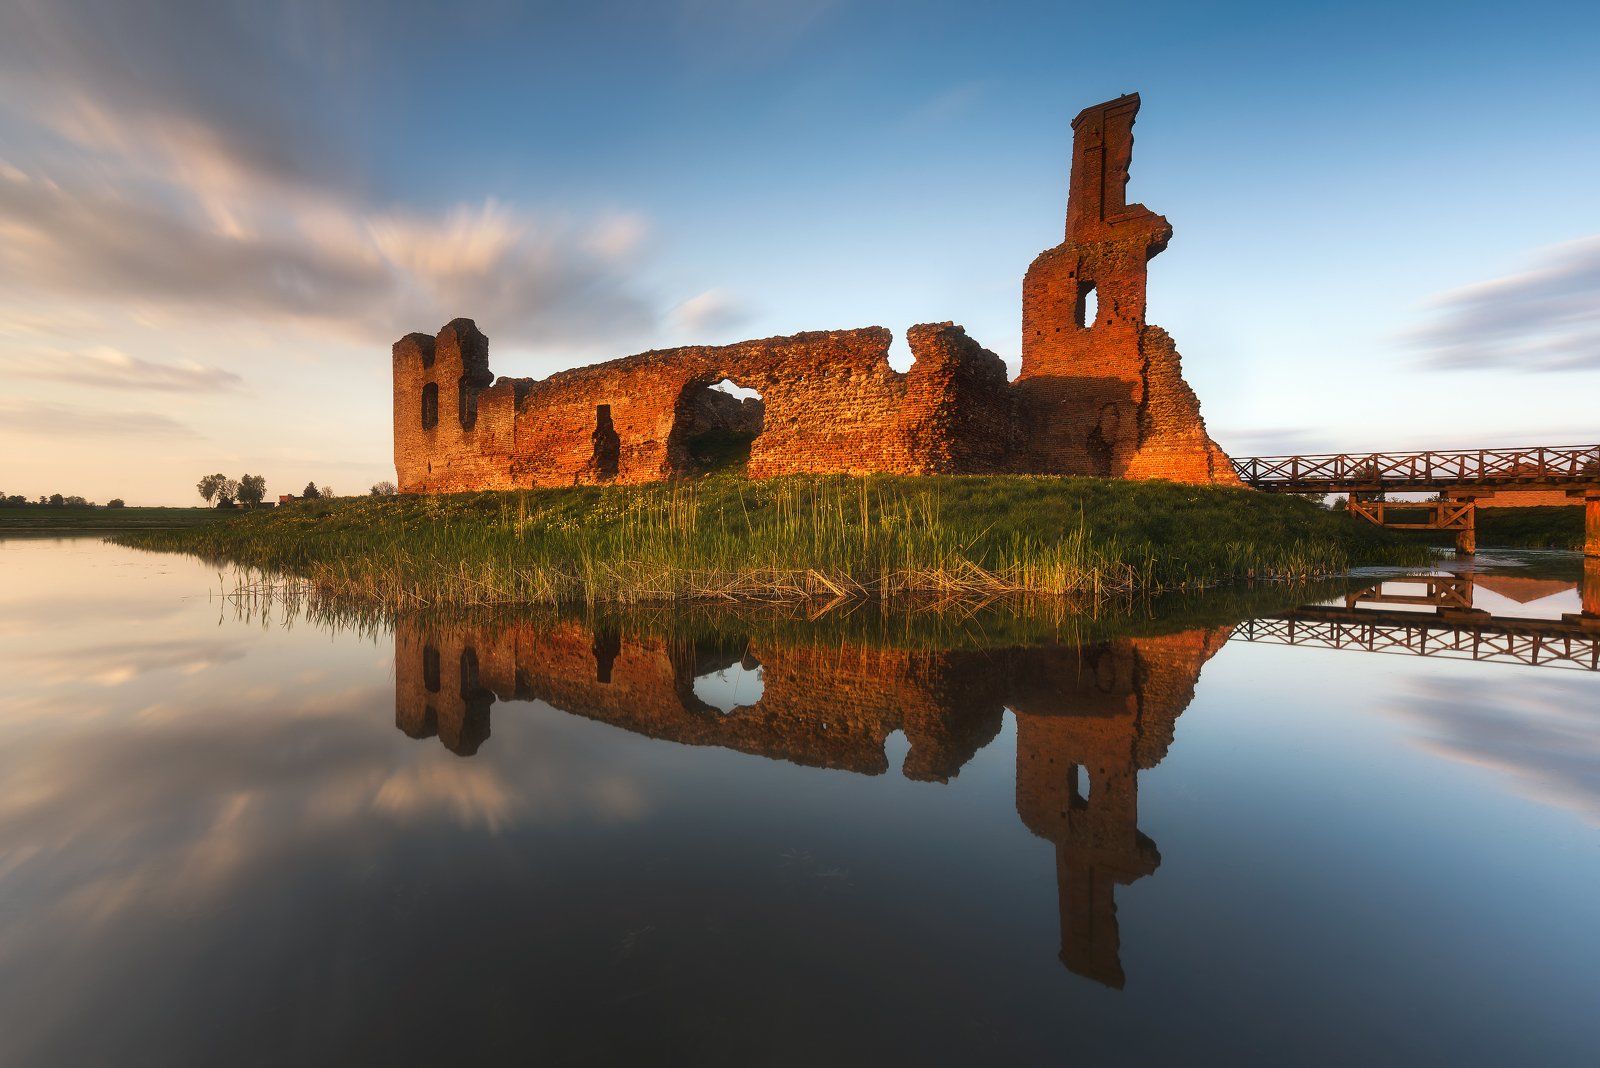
(110, 368)
(1543, 319)
(1537, 735)
(203, 170)
(65, 421)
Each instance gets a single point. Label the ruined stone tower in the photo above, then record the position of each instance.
(1103, 391)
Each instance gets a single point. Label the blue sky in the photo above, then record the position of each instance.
(216, 217)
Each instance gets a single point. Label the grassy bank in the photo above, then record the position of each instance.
(36, 519)
(791, 538)
(1531, 528)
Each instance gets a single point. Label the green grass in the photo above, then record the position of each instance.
(1554, 527)
(1531, 528)
(65, 520)
(800, 538)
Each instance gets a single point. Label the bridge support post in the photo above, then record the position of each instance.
(1591, 525)
(1590, 591)
(1467, 534)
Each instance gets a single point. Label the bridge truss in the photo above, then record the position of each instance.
(1569, 643)
(1573, 466)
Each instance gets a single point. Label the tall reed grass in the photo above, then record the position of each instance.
(792, 539)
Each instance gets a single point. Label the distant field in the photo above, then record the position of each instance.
(70, 520)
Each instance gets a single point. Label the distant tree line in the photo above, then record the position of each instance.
(224, 492)
(220, 491)
(53, 500)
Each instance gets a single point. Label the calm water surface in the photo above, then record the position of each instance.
(229, 837)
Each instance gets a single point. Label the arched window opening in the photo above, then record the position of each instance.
(714, 426)
(1088, 310)
(430, 405)
(469, 672)
(607, 445)
(1078, 799)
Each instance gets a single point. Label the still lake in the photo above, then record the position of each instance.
(239, 834)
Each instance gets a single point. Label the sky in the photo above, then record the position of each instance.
(216, 217)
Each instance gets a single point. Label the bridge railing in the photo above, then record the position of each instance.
(1433, 469)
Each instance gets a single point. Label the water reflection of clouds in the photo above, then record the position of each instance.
(170, 811)
(1541, 734)
(115, 663)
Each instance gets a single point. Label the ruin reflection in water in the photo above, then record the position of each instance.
(1089, 720)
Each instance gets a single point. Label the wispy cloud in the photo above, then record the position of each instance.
(64, 421)
(187, 80)
(110, 368)
(1273, 441)
(201, 168)
(711, 314)
(1544, 319)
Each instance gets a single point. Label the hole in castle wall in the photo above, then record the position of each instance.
(607, 647)
(714, 426)
(430, 668)
(900, 358)
(1088, 309)
(737, 685)
(607, 445)
(736, 391)
(430, 405)
(1078, 776)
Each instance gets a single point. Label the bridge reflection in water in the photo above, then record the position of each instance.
(1391, 616)
(1089, 719)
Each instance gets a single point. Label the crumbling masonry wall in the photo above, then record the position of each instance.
(1104, 397)
(830, 402)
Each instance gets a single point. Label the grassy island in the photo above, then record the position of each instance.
(725, 538)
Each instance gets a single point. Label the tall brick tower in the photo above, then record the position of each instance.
(1105, 391)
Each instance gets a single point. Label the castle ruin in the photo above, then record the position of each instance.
(1099, 394)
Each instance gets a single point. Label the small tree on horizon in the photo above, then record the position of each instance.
(209, 486)
(384, 489)
(116, 502)
(311, 492)
(252, 489)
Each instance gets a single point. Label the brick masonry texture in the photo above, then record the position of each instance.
(1105, 397)
(1089, 719)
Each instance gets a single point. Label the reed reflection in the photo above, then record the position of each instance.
(1089, 720)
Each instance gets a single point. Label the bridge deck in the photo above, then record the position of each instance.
(1556, 467)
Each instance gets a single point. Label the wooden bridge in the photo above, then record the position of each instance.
(1533, 642)
(1454, 630)
(1459, 474)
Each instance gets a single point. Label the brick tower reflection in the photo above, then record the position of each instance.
(1089, 719)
